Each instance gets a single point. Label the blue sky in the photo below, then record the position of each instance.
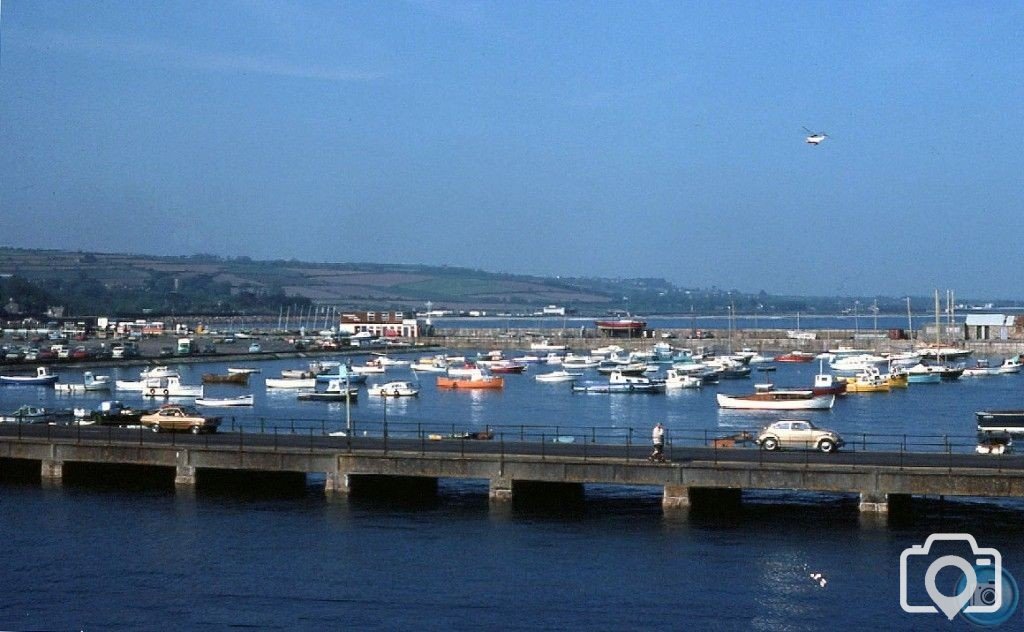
(553, 138)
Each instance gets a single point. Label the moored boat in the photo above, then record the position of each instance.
(478, 380)
(795, 356)
(89, 383)
(170, 386)
(221, 402)
(291, 383)
(674, 378)
(246, 370)
(781, 399)
(336, 391)
(868, 381)
(557, 376)
(240, 379)
(619, 383)
(394, 389)
(42, 377)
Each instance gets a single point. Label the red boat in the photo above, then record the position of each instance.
(624, 327)
(795, 356)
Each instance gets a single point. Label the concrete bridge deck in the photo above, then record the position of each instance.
(514, 467)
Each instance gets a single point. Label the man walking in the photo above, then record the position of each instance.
(658, 439)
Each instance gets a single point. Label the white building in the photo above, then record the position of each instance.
(383, 324)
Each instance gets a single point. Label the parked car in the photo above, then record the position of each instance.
(166, 352)
(174, 417)
(798, 434)
(255, 348)
(208, 349)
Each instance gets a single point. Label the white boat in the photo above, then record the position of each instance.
(293, 383)
(368, 369)
(545, 345)
(619, 383)
(467, 370)
(158, 371)
(296, 374)
(944, 353)
(242, 400)
(134, 386)
(552, 358)
(782, 399)
(386, 361)
(42, 377)
(245, 370)
(1010, 365)
(675, 378)
(170, 386)
(557, 376)
(579, 362)
(394, 389)
(90, 382)
(981, 369)
(852, 365)
(430, 365)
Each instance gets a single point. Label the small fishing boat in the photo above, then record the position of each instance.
(827, 384)
(924, 378)
(90, 382)
(223, 402)
(110, 413)
(240, 379)
(981, 369)
(43, 377)
(386, 361)
(292, 383)
(478, 380)
(795, 356)
(619, 383)
(170, 387)
(870, 380)
(35, 415)
(765, 397)
(394, 389)
(297, 374)
(246, 370)
(368, 369)
(1010, 365)
(507, 366)
(336, 391)
(158, 371)
(674, 378)
(557, 376)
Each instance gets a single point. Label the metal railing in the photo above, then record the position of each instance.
(543, 440)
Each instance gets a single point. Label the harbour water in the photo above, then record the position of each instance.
(89, 556)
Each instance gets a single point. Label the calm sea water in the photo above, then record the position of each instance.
(87, 556)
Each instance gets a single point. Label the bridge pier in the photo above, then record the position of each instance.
(505, 492)
(883, 503)
(680, 497)
(336, 484)
(51, 472)
(500, 491)
(185, 472)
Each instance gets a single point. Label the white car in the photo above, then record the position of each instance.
(798, 434)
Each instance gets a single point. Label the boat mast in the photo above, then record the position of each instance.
(910, 320)
(938, 325)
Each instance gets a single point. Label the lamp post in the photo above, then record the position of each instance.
(343, 369)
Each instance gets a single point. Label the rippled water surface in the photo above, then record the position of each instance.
(84, 556)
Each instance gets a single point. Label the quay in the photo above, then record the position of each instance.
(517, 466)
